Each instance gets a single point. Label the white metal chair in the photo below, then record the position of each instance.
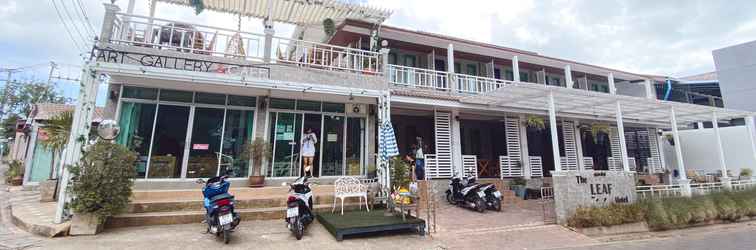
(349, 187)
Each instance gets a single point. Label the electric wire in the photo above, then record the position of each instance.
(73, 23)
(65, 25)
(85, 17)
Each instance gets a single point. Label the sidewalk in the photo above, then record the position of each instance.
(12, 237)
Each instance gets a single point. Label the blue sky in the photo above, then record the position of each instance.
(672, 37)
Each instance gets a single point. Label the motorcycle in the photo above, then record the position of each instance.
(493, 197)
(467, 194)
(299, 207)
(220, 216)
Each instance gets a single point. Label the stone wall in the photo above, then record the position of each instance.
(573, 189)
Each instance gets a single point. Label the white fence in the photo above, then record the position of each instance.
(440, 80)
(674, 190)
(536, 166)
(199, 39)
(470, 164)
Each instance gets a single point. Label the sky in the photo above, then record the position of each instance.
(670, 37)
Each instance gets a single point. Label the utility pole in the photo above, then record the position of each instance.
(5, 91)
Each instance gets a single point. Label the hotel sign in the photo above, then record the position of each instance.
(574, 189)
(170, 62)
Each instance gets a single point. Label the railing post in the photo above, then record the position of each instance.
(269, 32)
(683, 179)
(725, 179)
(106, 32)
(385, 63)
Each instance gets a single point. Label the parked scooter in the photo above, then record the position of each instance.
(466, 193)
(220, 217)
(299, 207)
(493, 196)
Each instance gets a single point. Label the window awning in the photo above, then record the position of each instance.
(600, 105)
(294, 11)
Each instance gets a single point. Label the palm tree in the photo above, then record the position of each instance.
(58, 129)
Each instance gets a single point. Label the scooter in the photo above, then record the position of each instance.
(219, 204)
(467, 194)
(299, 207)
(493, 196)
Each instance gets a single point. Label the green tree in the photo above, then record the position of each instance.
(9, 126)
(20, 97)
(58, 129)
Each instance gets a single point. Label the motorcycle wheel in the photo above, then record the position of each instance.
(298, 229)
(226, 236)
(497, 205)
(450, 198)
(480, 205)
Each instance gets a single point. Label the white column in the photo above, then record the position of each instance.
(456, 142)
(490, 68)
(554, 134)
(751, 132)
(515, 69)
(30, 153)
(579, 146)
(524, 151)
(650, 93)
(450, 58)
(621, 132)
(725, 178)
(568, 76)
(700, 125)
(683, 177)
(660, 147)
(269, 33)
(153, 5)
(612, 88)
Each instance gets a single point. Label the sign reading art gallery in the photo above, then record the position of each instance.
(573, 189)
(169, 62)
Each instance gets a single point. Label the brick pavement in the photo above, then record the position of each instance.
(12, 237)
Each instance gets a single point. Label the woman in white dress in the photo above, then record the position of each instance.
(309, 139)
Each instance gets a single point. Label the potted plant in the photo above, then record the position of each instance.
(535, 122)
(599, 128)
(517, 185)
(257, 151)
(101, 186)
(14, 175)
(400, 179)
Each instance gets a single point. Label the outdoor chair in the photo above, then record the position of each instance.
(346, 187)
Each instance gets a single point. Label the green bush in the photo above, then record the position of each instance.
(400, 172)
(614, 214)
(101, 182)
(15, 169)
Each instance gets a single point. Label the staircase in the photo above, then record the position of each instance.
(165, 207)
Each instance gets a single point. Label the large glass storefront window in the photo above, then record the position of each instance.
(333, 145)
(286, 132)
(200, 138)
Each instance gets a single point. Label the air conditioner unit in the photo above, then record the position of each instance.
(357, 109)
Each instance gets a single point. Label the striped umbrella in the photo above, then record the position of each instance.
(387, 143)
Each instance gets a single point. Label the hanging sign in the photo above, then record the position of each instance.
(171, 62)
(201, 146)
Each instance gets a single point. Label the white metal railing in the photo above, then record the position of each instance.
(418, 78)
(706, 187)
(587, 163)
(536, 166)
(509, 167)
(655, 191)
(199, 39)
(470, 164)
(743, 184)
(440, 80)
(658, 191)
(547, 193)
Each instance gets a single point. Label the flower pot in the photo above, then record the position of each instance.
(85, 224)
(47, 190)
(257, 181)
(16, 181)
(518, 190)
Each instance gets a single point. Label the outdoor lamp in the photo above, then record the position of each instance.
(108, 129)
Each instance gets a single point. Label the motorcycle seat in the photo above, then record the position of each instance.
(221, 197)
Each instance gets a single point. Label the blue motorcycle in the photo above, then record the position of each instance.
(219, 205)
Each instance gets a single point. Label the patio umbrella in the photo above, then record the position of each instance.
(388, 142)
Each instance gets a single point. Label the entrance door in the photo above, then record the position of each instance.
(285, 132)
(169, 143)
(207, 130)
(314, 122)
(333, 145)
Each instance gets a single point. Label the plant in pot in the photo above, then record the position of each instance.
(257, 151)
(101, 185)
(400, 179)
(598, 129)
(535, 122)
(517, 185)
(14, 175)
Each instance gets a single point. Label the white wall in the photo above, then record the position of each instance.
(736, 70)
(700, 152)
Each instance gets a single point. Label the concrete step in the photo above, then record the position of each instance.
(239, 192)
(162, 205)
(187, 217)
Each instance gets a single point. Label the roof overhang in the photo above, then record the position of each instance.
(294, 11)
(600, 105)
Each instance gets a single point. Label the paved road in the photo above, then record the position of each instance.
(740, 236)
(10, 236)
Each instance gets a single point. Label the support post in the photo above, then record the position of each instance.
(683, 177)
(385, 63)
(568, 76)
(621, 132)
(106, 32)
(650, 93)
(612, 87)
(456, 142)
(150, 21)
(579, 146)
(554, 134)
(751, 133)
(725, 179)
(524, 151)
(515, 68)
(450, 68)
(269, 32)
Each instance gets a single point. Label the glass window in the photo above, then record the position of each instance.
(175, 95)
(308, 105)
(355, 134)
(497, 73)
(277, 103)
(209, 98)
(524, 77)
(168, 145)
(139, 93)
(410, 61)
(285, 132)
(509, 75)
(333, 107)
(136, 121)
(206, 139)
(248, 101)
(472, 70)
(238, 132)
(333, 146)
(392, 58)
(457, 68)
(556, 81)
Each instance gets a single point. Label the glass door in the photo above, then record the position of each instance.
(354, 135)
(285, 132)
(314, 122)
(169, 143)
(333, 145)
(238, 131)
(207, 130)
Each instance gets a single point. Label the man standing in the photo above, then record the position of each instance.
(419, 159)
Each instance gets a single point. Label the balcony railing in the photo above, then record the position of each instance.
(440, 80)
(199, 39)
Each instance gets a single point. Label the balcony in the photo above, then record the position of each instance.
(441, 80)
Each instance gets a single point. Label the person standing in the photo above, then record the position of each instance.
(419, 159)
(309, 139)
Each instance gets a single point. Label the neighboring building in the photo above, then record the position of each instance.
(701, 89)
(188, 97)
(736, 70)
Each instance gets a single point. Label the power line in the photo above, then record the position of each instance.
(85, 17)
(68, 30)
(75, 23)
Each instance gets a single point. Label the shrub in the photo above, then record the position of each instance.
(746, 172)
(657, 217)
(101, 182)
(614, 214)
(15, 169)
(727, 208)
(400, 172)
